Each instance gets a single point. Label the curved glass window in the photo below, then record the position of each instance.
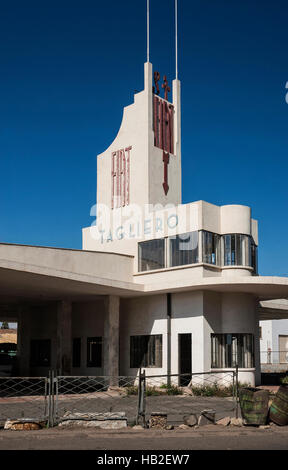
(237, 250)
(211, 248)
(184, 249)
(151, 255)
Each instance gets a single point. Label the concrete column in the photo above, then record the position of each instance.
(64, 337)
(111, 336)
(23, 341)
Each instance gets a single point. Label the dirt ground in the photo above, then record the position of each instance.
(176, 406)
(211, 437)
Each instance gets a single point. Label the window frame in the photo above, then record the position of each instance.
(147, 350)
(223, 352)
(97, 363)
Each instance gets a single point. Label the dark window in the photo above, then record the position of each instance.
(40, 353)
(146, 351)
(237, 250)
(211, 248)
(94, 352)
(76, 352)
(254, 260)
(151, 255)
(184, 249)
(229, 350)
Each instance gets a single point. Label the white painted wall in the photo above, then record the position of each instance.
(271, 330)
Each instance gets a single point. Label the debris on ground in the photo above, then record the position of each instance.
(158, 420)
(23, 425)
(206, 417)
(236, 422)
(116, 420)
(183, 426)
(224, 421)
(190, 420)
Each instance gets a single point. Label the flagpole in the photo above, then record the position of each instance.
(148, 31)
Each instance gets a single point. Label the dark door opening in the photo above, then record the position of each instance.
(185, 357)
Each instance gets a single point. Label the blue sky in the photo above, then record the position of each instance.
(67, 70)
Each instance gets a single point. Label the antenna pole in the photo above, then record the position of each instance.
(176, 37)
(148, 31)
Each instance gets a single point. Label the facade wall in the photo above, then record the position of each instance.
(271, 330)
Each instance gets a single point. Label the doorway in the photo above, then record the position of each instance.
(185, 357)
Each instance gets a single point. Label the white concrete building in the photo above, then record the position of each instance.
(167, 286)
(274, 338)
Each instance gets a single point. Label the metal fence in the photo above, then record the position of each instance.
(186, 394)
(53, 399)
(24, 397)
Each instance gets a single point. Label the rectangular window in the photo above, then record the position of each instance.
(40, 353)
(184, 249)
(94, 352)
(151, 255)
(229, 350)
(76, 352)
(211, 248)
(146, 351)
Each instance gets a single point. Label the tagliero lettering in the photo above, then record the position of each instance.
(136, 230)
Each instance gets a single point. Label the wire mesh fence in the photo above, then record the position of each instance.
(186, 394)
(92, 394)
(55, 398)
(24, 397)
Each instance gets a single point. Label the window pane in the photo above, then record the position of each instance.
(146, 351)
(211, 247)
(230, 350)
(40, 353)
(184, 249)
(94, 352)
(151, 255)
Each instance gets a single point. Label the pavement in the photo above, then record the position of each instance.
(210, 437)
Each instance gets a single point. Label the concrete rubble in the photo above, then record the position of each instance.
(23, 425)
(107, 420)
(224, 421)
(158, 420)
(190, 420)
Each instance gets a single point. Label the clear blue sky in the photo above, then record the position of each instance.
(69, 67)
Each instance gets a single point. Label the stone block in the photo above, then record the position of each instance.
(190, 420)
(236, 422)
(224, 421)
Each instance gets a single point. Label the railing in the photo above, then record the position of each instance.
(274, 357)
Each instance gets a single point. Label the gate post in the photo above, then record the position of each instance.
(141, 400)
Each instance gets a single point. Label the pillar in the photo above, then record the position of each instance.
(64, 337)
(23, 341)
(111, 336)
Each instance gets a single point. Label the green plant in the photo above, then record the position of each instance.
(284, 380)
(132, 390)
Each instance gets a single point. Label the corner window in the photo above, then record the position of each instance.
(211, 248)
(237, 250)
(230, 350)
(40, 353)
(151, 255)
(184, 249)
(94, 352)
(146, 351)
